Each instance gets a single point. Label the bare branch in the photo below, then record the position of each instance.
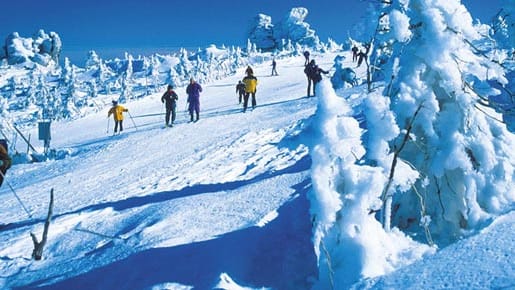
(38, 246)
(386, 196)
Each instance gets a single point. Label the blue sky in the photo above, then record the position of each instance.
(129, 24)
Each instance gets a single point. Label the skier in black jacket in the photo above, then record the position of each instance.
(170, 97)
(240, 89)
(313, 73)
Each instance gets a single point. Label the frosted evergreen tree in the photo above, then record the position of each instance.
(126, 83)
(154, 73)
(237, 58)
(12, 85)
(92, 89)
(183, 69)
(129, 71)
(56, 103)
(172, 77)
(103, 77)
(333, 46)
(31, 95)
(51, 105)
(93, 61)
(66, 71)
(432, 161)
(69, 96)
(249, 47)
(126, 92)
(42, 95)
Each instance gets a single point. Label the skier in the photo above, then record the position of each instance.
(117, 112)
(170, 97)
(5, 160)
(249, 70)
(354, 53)
(240, 90)
(313, 73)
(274, 70)
(362, 55)
(306, 56)
(193, 90)
(250, 82)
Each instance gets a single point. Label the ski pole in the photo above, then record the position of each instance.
(16, 195)
(132, 119)
(107, 132)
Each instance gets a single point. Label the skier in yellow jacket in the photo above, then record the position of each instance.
(250, 82)
(117, 112)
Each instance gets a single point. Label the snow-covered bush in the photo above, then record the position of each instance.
(431, 162)
(343, 77)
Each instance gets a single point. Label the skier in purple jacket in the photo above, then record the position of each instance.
(193, 90)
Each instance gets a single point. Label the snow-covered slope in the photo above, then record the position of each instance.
(484, 261)
(172, 205)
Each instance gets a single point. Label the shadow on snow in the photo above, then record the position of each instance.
(279, 255)
(133, 202)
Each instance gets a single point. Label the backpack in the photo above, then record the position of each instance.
(310, 71)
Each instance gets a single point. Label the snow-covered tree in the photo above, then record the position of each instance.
(154, 73)
(129, 71)
(70, 90)
(93, 61)
(432, 160)
(12, 85)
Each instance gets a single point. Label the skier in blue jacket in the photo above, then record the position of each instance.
(193, 90)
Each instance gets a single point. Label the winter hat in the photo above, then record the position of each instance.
(115, 102)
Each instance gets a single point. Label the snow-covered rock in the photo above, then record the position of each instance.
(261, 32)
(40, 49)
(291, 30)
(19, 50)
(294, 28)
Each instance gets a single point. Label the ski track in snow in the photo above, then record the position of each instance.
(153, 187)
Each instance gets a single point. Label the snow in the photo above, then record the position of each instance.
(220, 203)
(223, 187)
(404, 184)
(480, 262)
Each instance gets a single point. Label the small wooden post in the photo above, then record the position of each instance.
(38, 246)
